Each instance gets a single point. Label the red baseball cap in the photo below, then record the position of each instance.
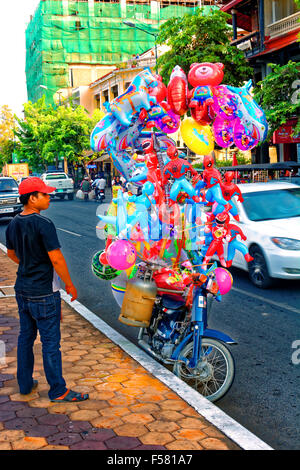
(33, 183)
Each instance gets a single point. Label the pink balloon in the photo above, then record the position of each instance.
(244, 138)
(225, 103)
(224, 280)
(223, 132)
(121, 255)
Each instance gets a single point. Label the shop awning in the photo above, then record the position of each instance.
(230, 5)
(102, 158)
(243, 21)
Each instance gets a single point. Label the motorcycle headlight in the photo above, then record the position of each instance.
(286, 243)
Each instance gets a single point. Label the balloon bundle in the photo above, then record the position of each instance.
(179, 219)
(235, 116)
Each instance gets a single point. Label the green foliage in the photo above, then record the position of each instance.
(279, 95)
(7, 144)
(240, 157)
(199, 38)
(48, 132)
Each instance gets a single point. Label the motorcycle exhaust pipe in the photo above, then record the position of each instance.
(147, 348)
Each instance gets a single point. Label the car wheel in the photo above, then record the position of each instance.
(258, 270)
(71, 197)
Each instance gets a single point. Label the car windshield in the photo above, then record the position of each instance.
(272, 204)
(58, 176)
(7, 186)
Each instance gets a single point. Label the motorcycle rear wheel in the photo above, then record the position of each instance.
(215, 371)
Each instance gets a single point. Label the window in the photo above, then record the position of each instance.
(115, 91)
(97, 100)
(56, 176)
(272, 204)
(276, 10)
(105, 95)
(8, 185)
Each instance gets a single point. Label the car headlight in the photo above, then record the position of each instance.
(286, 243)
(18, 200)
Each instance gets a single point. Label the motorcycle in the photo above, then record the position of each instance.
(177, 332)
(99, 195)
(86, 195)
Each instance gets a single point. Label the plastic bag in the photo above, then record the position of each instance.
(79, 194)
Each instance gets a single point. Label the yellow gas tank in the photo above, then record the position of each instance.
(138, 302)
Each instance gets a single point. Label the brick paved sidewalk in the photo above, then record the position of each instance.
(128, 409)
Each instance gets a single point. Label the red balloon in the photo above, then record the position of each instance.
(160, 91)
(177, 93)
(102, 258)
(205, 74)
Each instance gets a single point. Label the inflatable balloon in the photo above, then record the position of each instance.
(177, 91)
(245, 138)
(198, 138)
(162, 117)
(224, 280)
(249, 111)
(103, 271)
(223, 132)
(225, 103)
(160, 216)
(234, 244)
(159, 91)
(106, 129)
(135, 98)
(121, 255)
(205, 74)
(200, 98)
(118, 287)
(177, 169)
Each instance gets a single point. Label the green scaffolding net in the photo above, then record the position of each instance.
(64, 32)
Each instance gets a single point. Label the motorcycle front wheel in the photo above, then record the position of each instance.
(214, 373)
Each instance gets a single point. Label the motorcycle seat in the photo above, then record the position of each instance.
(171, 303)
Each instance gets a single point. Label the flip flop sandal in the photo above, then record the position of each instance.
(71, 396)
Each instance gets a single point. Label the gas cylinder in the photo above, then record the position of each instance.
(138, 301)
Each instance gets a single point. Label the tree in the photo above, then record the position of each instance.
(202, 38)
(48, 133)
(279, 95)
(7, 125)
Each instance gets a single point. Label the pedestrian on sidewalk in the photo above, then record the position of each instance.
(32, 243)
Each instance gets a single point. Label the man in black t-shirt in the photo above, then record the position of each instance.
(32, 243)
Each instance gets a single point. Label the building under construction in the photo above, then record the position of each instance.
(73, 42)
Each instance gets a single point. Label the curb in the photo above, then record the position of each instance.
(228, 426)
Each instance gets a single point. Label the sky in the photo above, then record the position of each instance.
(14, 17)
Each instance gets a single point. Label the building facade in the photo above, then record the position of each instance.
(71, 43)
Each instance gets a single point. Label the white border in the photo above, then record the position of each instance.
(228, 426)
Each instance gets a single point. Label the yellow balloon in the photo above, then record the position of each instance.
(199, 139)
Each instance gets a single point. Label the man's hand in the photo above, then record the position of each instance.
(71, 290)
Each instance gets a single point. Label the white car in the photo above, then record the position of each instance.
(62, 182)
(270, 219)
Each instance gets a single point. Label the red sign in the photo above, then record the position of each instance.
(284, 135)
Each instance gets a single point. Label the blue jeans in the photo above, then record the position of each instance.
(40, 314)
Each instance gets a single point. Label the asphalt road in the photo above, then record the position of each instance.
(265, 394)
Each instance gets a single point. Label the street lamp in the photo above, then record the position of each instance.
(133, 25)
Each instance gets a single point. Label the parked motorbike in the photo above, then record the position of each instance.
(99, 195)
(174, 329)
(86, 195)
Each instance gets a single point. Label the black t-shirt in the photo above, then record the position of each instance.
(31, 237)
